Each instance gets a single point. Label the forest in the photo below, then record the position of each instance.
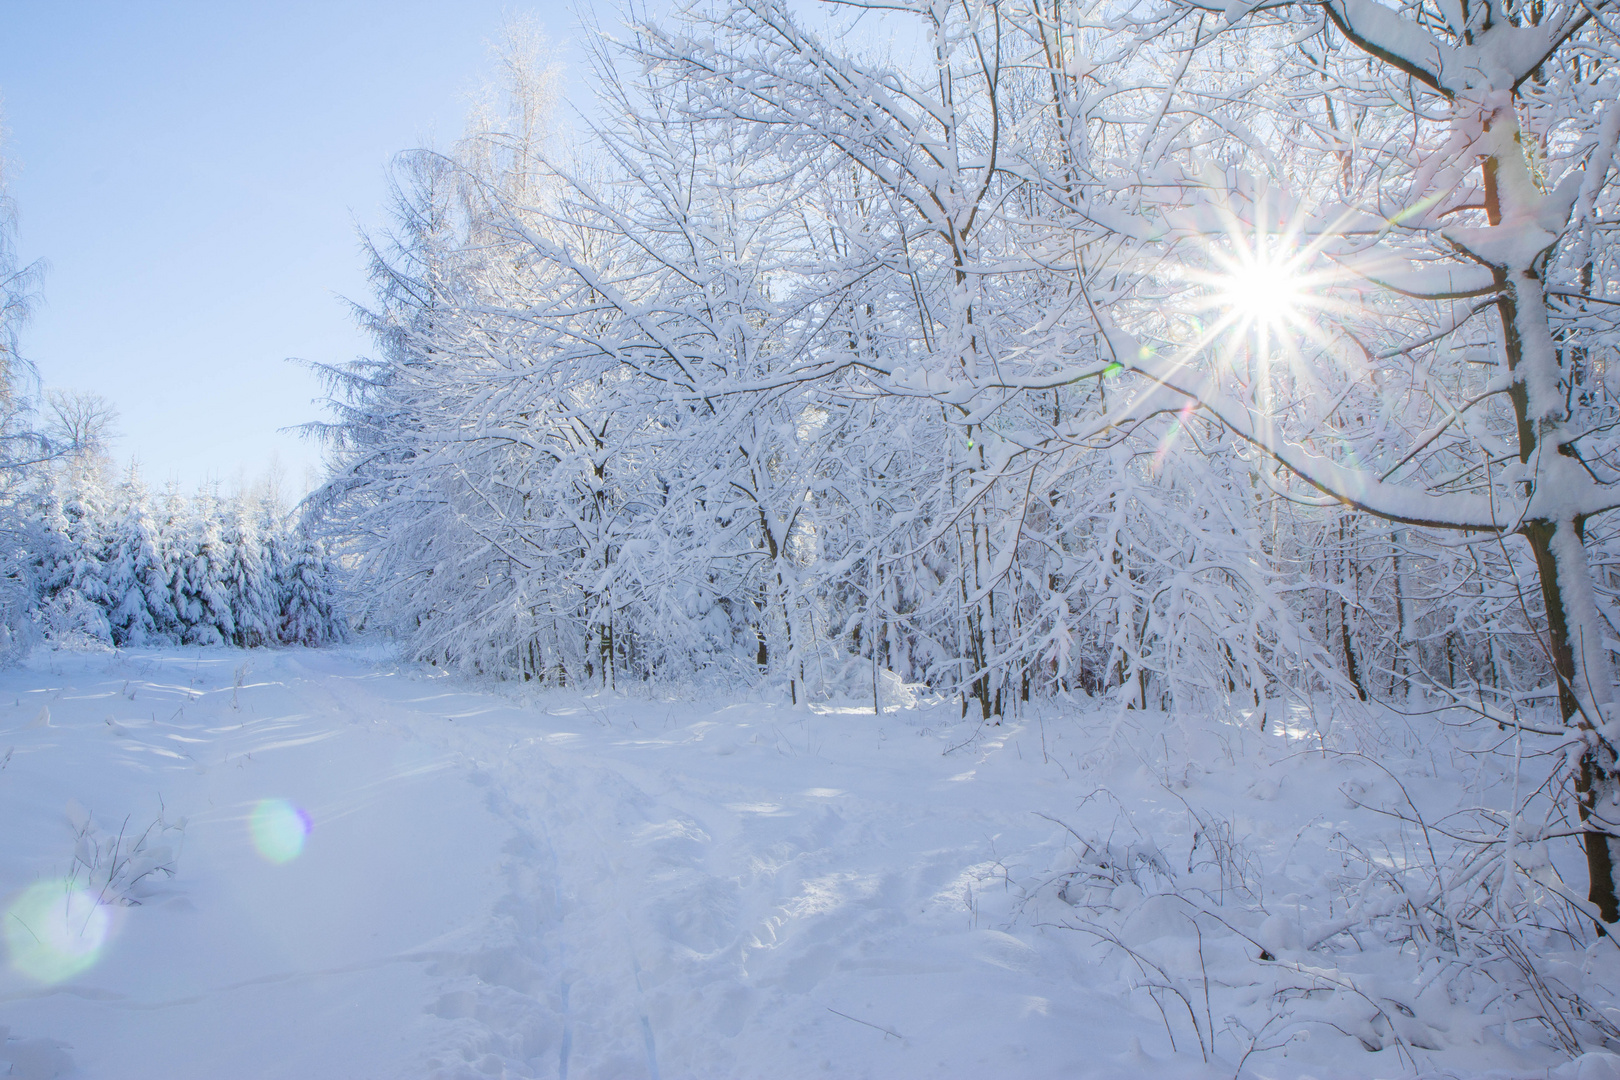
(97, 563)
(1205, 367)
(1249, 359)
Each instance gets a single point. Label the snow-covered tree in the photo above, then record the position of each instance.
(76, 592)
(310, 615)
(119, 567)
(20, 445)
(1398, 300)
(249, 576)
(781, 382)
(140, 604)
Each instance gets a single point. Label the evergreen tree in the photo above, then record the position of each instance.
(248, 579)
(172, 517)
(309, 616)
(139, 607)
(199, 576)
(73, 571)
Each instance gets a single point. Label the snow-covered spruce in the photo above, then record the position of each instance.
(117, 567)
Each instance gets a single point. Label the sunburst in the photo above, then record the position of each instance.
(1264, 292)
(1261, 310)
(1263, 281)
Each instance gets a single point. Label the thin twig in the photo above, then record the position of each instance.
(868, 1023)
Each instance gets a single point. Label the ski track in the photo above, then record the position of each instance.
(679, 890)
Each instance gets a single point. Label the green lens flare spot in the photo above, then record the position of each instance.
(1115, 368)
(279, 830)
(54, 931)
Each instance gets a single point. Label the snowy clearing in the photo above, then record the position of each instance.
(601, 886)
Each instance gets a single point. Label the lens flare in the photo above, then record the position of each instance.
(279, 830)
(54, 931)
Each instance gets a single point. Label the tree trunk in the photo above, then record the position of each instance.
(1539, 392)
(1574, 649)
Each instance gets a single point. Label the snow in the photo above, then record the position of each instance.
(597, 888)
(384, 872)
(240, 966)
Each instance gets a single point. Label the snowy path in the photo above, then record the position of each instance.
(611, 888)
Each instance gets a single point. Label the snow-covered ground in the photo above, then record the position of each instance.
(382, 873)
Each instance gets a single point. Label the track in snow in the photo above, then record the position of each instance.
(587, 887)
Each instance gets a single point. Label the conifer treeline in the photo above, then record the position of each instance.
(118, 565)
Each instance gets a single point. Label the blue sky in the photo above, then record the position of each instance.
(194, 173)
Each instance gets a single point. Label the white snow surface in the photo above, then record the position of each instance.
(596, 886)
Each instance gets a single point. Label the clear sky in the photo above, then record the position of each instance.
(195, 172)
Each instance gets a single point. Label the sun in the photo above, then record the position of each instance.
(1264, 292)
(1262, 277)
(1261, 288)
